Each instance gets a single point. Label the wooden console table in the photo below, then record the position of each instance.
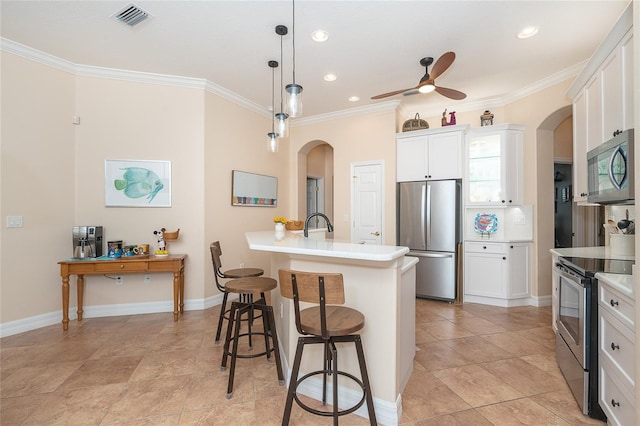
(124, 265)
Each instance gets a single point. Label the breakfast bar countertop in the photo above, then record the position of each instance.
(291, 243)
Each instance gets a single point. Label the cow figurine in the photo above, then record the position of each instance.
(162, 244)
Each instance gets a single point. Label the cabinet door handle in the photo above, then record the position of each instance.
(511, 246)
(583, 194)
(503, 201)
(484, 247)
(614, 302)
(377, 234)
(614, 346)
(504, 258)
(614, 403)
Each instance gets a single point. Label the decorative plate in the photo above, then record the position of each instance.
(485, 223)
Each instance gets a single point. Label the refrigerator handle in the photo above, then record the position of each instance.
(428, 215)
(423, 201)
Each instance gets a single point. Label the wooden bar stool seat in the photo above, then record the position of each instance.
(325, 324)
(247, 288)
(218, 273)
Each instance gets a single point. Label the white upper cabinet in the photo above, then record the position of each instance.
(580, 184)
(430, 154)
(602, 98)
(617, 89)
(494, 166)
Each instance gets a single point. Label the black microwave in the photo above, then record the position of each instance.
(610, 171)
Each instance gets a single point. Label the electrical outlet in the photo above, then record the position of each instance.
(119, 280)
(147, 278)
(242, 265)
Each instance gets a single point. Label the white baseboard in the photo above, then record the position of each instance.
(99, 311)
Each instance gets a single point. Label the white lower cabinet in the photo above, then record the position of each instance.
(616, 354)
(497, 273)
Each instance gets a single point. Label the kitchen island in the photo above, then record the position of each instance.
(380, 282)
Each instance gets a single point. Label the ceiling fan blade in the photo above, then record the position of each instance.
(442, 64)
(396, 92)
(450, 93)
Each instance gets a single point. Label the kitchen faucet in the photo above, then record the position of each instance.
(306, 222)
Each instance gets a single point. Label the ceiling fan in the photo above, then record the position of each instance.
(427, 82)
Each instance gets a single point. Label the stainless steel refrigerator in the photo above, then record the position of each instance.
(429, 223)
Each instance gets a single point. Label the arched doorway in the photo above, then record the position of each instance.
(315, 180)
(583, 217)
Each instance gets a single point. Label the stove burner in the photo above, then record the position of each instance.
(589, 266)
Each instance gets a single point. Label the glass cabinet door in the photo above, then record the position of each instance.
(485, 169)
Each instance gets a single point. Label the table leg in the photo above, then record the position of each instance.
(65, 302)
(176, 294)
(182, 291)
(80, 284)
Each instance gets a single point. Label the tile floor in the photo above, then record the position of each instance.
(476, 365)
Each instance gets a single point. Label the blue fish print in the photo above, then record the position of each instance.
(138, 182)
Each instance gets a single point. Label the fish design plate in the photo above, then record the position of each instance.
(485, 223)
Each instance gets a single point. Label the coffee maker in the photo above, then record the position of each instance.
(87, 241)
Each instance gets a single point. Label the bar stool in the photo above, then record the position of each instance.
(327, 325)
(247, 287)
(216, 254)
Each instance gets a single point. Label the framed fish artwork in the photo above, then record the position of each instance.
(137, 183)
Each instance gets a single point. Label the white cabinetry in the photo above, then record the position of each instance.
(494, 166)
(497, 273)
(617, 354)
(602, 98)
(554, 292)
(580, 184)
(430, 154)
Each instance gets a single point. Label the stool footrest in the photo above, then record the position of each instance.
(330, 413)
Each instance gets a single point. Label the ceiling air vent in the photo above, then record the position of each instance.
(131, 15)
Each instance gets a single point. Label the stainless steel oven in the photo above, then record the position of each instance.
(572, 339)
(577, 322)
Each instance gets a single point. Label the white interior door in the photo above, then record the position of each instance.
(367, 202)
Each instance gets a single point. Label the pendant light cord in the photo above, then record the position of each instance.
(293, 43)
(281, 78)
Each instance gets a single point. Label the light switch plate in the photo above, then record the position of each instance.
(14, 221)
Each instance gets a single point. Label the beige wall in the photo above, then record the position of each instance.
(205, 137)
(37, 182)
(361, 138)
(563, 141)
(236, 139)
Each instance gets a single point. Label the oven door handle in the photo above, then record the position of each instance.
(574, 278)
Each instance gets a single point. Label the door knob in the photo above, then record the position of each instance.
(377, 234)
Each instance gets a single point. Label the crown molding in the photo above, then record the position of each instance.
(203, 84)
(32, 54)
(346, 113)
(237, 99)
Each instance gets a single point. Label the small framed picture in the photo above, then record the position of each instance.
(137, 183)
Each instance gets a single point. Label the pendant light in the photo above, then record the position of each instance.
(294, 91)
(272, 145)
(282, 124)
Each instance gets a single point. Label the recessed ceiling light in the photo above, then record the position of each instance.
(319, 36)
(353, 99)
(527, 32)
(330, 77)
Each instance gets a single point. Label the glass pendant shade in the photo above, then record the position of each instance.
(294, 100)
(272, 145)
(282, 125)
